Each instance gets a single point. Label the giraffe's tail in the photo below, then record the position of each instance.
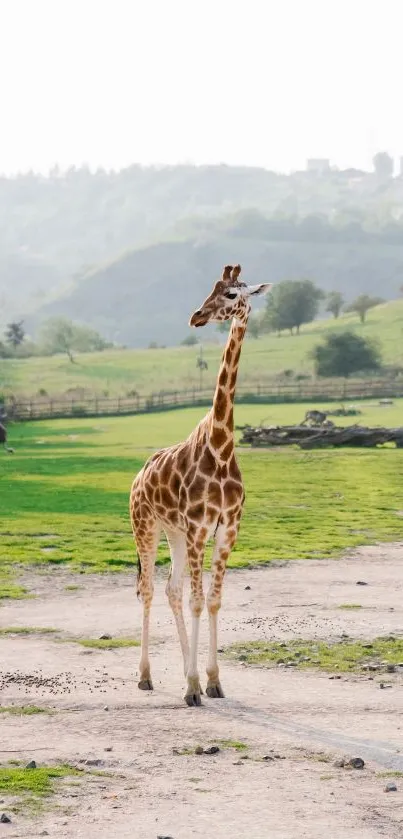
(138, 574)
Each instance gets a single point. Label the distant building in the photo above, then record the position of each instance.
(319, 165)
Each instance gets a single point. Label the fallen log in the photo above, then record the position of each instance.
(320, 437)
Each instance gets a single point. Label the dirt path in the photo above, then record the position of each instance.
(302, 721)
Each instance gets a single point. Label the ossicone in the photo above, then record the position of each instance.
(226, 274)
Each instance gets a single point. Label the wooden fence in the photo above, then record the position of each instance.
(327, 390)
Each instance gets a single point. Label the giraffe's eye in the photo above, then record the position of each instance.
(231, 295)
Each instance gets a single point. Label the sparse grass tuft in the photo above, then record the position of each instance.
(15, 780)
(105, 644)
(27, 630)
(72, 588)
(343, 656)
(12, 592)
(350, 606)
(390, 773)
(24, 710)
(231, 744)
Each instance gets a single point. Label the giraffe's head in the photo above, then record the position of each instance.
(228, 299)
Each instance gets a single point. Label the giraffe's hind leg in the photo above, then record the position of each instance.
(174, 588)
(147, 534)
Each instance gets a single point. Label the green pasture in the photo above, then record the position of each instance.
(174, 368)
(64, 493)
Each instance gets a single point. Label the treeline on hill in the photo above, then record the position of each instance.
(346, 227)
(67, 234)
(57, 335)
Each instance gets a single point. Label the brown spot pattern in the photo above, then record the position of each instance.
(232, 492)
(215, 494)
(218, 437)
(227, 450)
(207, 463)
(220, 405)
(197, 488)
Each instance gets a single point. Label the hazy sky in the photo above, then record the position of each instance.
(259, 82)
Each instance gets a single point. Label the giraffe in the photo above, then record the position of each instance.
(193, 491)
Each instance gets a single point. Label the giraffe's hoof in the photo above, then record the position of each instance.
(193, 700)
(145, 684)
(215, 691)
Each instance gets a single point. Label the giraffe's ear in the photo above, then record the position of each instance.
(226, 274)
(263, 288)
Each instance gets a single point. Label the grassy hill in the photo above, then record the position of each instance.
(146, 371)
(148, 294)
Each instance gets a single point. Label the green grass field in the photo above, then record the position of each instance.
(64, 493)
(146, 371)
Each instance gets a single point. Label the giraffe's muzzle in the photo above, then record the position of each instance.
(198, 319)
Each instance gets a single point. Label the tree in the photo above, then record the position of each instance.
(88, 340)
(5, 352)
(383, 165)
(361, 305)
(334, 303)
(254, 326)
(59, 335)
(15, 333)
(292, 303)
(343, 353)
(189, 341)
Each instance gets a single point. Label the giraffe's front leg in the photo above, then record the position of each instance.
(225, 540)
(195, 556)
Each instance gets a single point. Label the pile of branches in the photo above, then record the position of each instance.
(320, 437)
(350, 411)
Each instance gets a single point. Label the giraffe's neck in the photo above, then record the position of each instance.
(222, 412)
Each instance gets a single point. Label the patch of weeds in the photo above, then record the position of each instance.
(326, 777)
(24, 710)
(11, 592)
(343, 656)
(350, 606)
(27, 630)
(39, 782)
(72, 588)
(390, 773)
(108, 643)
(232, 744)
(320, 757)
